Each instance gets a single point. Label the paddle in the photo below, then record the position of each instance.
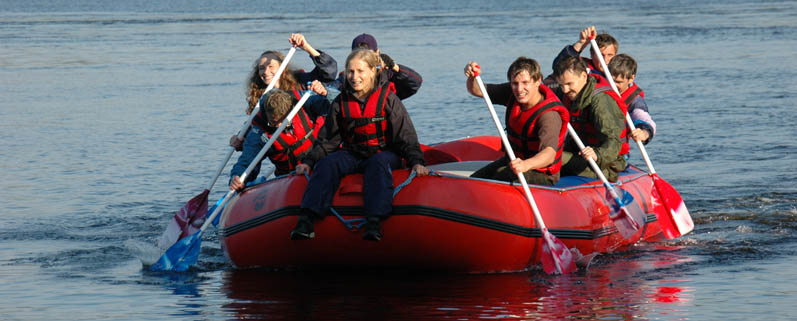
(556, 257)
(676, 221)
(629, 221)
(190, 216)
(184, 253)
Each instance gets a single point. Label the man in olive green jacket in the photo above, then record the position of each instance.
(596, 118)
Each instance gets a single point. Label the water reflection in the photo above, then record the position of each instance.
(614, 288)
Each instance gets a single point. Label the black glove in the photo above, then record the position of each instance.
(388, 61)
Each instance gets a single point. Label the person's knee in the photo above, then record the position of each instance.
(384, 161)
(335, 162)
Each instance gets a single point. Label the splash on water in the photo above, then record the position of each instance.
(744, 229)
(147, 253)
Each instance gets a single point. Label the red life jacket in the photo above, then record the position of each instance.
(291, 146)
(631, 93)
(520, 128)
(369, 122)
(583, 124)
(591, 69)
(260, 119)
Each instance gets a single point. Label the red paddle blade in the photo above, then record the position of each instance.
(186, 221)
(675, 220)
(627, 216)
(556, 258)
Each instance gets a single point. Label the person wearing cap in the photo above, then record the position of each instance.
(406, 80)
(294, 81)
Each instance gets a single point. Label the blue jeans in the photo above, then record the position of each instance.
(377, 181)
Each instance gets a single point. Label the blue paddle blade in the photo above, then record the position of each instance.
(181, 256)
(627, 216)
(625, 199)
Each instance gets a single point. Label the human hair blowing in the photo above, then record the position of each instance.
(256, 86)
(370, 58)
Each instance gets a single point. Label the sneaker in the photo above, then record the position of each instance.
(303, 229)
(372, 230)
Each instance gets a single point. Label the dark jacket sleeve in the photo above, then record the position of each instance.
(405, 140)
(407, 81)
(567, 51)
(252, 146)
(316, 106)
(329, 138)
(326, 69)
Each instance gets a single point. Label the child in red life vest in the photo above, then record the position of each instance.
(623, 69)
(536, 124)
(293, 144)
(367, 130)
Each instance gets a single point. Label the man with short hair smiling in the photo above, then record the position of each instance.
(536, 124)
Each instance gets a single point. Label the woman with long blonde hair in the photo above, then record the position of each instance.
(367, 130)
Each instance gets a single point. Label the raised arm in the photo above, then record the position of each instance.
(471, 70)
(326, 68)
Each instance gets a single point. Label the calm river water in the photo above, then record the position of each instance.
(114, 114)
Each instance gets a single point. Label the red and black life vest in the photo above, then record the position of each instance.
(583, 125)
(591, 68)
(520, 128)
(260, 119)
(292, 145)
(631, 93)
(369, 122)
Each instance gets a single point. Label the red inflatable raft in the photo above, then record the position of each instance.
(441, 222)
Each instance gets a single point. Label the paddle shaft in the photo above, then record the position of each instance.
(521, 178)
(257, 158)
(595, 167)
(628, 119)
(245, 126)
(678, 213)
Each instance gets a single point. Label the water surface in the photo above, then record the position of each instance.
(115, 114)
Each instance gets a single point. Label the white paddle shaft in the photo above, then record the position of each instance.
(257, 158)
(248, 121)
(628, 119)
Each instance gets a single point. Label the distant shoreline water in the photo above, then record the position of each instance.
(115, 114)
